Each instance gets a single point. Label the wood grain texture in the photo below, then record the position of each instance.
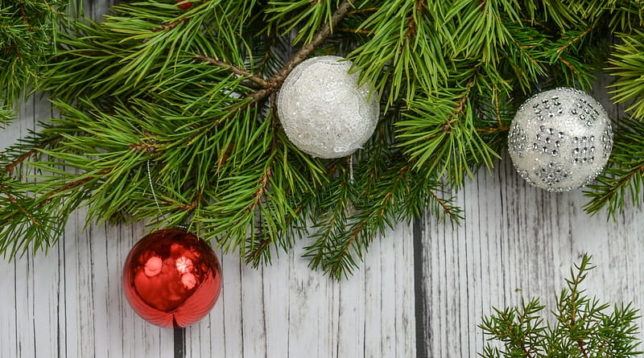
(518, 241)
(287, 310)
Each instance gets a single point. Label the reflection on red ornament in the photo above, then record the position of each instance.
(172, 278)
(184, 4)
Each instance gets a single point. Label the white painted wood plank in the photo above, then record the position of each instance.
(289, 310)
(521, 250)
(8, 313)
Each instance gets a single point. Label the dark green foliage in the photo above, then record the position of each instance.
(28, 33)
(583, 327)
(627, 64)
(186, 98)
(623, 181)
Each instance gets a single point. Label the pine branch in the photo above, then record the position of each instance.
(304, 15)
(583, 327)
(627, 64)
(306, 50)
(275, 82)
(28, 33)
(483, 31)
(186, 97)
(405, 54)
(440, 135)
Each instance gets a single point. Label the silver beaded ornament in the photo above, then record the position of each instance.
(324, 111)
(560, 139)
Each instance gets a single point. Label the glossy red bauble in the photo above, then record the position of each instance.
(171, 278)
(184, 4)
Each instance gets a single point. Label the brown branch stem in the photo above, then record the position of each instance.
(13, 200)
(565, 46)
(621, 182)
(492, 130)
(306, 50)
(14, 163)
(236, 70)
(442, 202)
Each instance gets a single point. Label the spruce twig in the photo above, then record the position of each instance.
(583, 328)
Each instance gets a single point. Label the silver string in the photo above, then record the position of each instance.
(154, 195)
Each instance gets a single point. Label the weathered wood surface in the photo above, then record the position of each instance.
(421, 291)
(517, 242)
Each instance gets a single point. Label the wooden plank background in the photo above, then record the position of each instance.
(421, 292)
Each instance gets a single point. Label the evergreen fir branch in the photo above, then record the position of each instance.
(305, 16)
(111, 147)
(626, 15)
(28, 32)
(439, 134)
(152, 31)
(623, 14)
(330, 223)
(355, 210)
(482, 29)
(259, 81)
(520, 329)
(129, 51)
(623, 180)
(524, 56)
(583, 328)
(186, 98)
(318, 39)
(494, 112)
(557, 11)
(406, 52)
(28, 222)
(567, 56)
(627, 64)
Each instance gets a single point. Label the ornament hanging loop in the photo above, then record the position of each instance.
(154, 194)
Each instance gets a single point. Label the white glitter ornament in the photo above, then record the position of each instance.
(560, 139)
(323, 110)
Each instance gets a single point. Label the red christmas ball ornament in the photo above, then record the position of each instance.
(171, 278)
(184, 4)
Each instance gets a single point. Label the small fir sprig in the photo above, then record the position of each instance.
(583, 327)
